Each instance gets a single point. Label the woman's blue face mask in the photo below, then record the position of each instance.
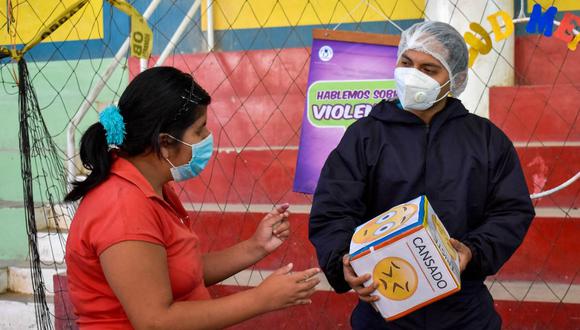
(200, 155)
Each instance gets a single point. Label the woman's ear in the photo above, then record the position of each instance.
(165, 141)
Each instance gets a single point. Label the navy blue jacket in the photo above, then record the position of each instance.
(469, 171)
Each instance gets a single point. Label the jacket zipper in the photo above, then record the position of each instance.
(427, 129)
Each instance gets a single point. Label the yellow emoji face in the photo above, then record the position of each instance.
(396, 277)
(444, 236)
(385, 224)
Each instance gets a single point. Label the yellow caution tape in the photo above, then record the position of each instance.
(5, 52)
(52, 26)
(141, 35)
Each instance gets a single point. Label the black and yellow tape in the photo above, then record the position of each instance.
(141, 35)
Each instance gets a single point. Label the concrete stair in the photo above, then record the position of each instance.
(17, 311)
(20, 278)
(17, 308)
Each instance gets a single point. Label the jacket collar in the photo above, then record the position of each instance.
(388, 111)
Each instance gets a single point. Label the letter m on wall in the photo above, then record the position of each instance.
(542, 22)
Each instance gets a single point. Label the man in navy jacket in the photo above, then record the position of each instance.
(425, 143)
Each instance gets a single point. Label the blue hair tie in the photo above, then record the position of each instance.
(112, 121)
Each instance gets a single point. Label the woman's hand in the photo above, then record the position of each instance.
(284, 289)
(357, 282)
(463, 251)
(273, 230)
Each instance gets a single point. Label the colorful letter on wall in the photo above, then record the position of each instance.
(477, 45)
(564, 31)
(574, 43)
(509, 25)
(541, 22)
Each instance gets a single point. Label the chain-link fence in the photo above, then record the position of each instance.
(253, 58)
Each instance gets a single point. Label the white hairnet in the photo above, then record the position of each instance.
(443, 42)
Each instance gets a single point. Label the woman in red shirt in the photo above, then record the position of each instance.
(132, 257)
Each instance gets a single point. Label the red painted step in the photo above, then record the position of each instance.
(64, 317)
(257, 96)
(548, 253)
(257, 177)
(331, 311)
(545, 61)
(258, 102)
(548, 167)
(537, 113)
(220, 230)
(327, 311)
(266, 177)
(537, 315)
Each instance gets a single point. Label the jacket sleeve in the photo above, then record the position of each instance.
(338, 206)
(508, 213)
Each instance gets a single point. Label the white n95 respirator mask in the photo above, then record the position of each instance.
(416, 90)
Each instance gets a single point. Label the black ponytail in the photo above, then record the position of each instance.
(158, 100)
(95, 157)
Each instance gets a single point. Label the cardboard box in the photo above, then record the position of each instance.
(407, 251)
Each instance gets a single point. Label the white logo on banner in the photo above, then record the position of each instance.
(325, 53)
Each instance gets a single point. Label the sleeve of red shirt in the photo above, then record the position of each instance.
(128, 216)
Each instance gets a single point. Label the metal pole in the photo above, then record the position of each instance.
(209, 13)
(556, 189)
(178, 33)
(143, 63)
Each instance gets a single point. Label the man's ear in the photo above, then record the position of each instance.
(460, 79)
(446, 90)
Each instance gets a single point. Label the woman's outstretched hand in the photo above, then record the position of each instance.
(284, 289)
(273, 230)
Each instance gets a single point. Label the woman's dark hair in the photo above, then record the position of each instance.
(158, 100)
